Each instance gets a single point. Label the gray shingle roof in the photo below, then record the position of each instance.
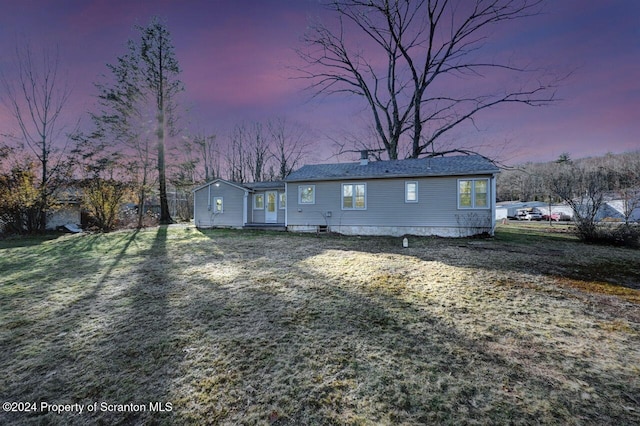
(439, 166)
(264, 185)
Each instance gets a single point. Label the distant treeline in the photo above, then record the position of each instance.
(619, 173)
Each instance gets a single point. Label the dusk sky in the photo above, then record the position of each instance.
(236, 58)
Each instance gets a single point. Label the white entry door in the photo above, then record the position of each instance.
(271, 207)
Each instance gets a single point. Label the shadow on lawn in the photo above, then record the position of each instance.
(307, 350)
(283, 344)
(512, 250)
(62, 367)
(332, 353)
(27, 240)
(142, 352)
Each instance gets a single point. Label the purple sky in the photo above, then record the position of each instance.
(236, 54)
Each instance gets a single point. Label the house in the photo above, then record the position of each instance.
(615, 209)
(221, 203)
(447, 196)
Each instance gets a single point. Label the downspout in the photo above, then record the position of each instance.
(493, 204)
(286, 205)
(195, 222)
(245, 206)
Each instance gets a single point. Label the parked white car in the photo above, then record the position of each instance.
(529, 214)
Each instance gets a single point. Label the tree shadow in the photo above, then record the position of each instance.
(56, 360)
(332, 328)
(140, 358)
(27, 240)
(240, 330)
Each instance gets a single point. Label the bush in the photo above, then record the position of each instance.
(624, 235)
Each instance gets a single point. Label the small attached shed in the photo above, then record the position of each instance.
(221, 203)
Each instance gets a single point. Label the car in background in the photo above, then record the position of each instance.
(553, 216)
(530, 213)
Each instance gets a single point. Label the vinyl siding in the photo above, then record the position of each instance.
(437, 205)
(258, 216)
(233, 205)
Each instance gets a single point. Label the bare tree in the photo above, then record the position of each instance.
(583, 188)
(415, 46)
(627, 171)
(209, 155)
(236, 155)
(249, 153)
(36, 99)
(288, 146)
(257, 151)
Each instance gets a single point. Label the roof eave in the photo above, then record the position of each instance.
(394, 176)
(204, 185)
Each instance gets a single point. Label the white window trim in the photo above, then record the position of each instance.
(406, 191)
(215, 204)
(282, 196)
(473, 194)
(255, 197)
(313, 192)
(354, 196)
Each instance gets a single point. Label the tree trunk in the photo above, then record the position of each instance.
(42, 222)
(141, 196)
(165, 216)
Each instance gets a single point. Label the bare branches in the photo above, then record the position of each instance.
(288, 146)
(414, 50)
(36, 99)
(260, 152)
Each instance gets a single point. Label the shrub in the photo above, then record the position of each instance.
(624, 235)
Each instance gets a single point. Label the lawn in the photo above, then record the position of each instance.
(180, 326)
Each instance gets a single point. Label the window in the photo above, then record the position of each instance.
(218, 206)
(271, 202)
(411, 192)
(473, 193)
(481, 192)
(282, 200)
(354, 196)
(258, 202)
(307, 194)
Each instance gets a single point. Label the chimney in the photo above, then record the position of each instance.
(364, 157)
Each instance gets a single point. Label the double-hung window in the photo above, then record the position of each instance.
(218, 205)
(411, 192)
(473, 193)
(258, 202)
(354, 196)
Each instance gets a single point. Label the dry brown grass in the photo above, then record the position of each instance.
(266, 328)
